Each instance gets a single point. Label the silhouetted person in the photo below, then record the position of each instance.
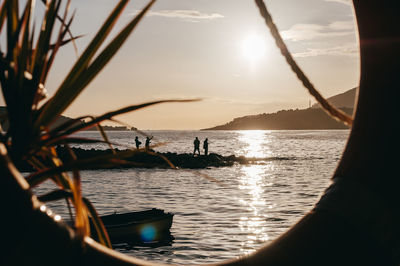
(137, 142)
(147, 144)
(205, 146)
(196, 143)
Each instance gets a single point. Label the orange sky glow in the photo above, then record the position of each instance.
(219, 51)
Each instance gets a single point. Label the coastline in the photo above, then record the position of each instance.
(151, 159)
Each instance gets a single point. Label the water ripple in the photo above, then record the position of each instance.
(254, 206)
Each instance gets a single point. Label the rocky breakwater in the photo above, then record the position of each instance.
(143, 159)
(160, 160)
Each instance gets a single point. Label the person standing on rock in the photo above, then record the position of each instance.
(196, 144)
(205, 146)
(147, 144)
(137, 142)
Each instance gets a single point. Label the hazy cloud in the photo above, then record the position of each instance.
(346, 2)
(343, 50)
(189, 15)
(301, 32)
(342, 25)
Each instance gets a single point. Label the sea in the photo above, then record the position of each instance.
(247, 207)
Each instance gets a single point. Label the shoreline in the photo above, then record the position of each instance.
(142, 159)
(154, 160)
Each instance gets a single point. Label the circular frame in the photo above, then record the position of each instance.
(354, 223)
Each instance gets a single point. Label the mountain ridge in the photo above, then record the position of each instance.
(295, 119)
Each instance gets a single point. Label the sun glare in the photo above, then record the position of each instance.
(254, 143)
(253, 48)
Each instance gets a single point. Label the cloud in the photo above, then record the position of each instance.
(342, 25)
(346, 2)
(188, 15)
(343, 50)
(301, 32)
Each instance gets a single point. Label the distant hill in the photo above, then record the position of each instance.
(342, 100)
(62, 119)
(310, 118)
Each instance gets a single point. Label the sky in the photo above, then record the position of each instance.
(218, 50)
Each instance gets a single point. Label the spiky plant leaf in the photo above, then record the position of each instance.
(110, 115)
(51, 111)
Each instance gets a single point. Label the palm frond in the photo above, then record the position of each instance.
(109, 159)
(96, 220)
(26, 62)
(3, 14)
(110, 115)
(105, 137)
(77, 140)
(101, 231)
(66, 93)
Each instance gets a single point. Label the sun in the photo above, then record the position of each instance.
(253, 48)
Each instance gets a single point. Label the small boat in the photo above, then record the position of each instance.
(143, 227)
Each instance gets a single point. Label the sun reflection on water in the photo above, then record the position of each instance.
(254, 224)
(254, 143)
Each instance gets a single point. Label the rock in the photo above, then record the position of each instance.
(146, 160)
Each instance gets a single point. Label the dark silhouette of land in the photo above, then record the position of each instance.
(310, 118)
(112, 128)
(342, 100)
(156, 160)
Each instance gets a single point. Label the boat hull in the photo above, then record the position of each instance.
(144, 227)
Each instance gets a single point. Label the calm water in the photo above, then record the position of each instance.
(213, 222)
